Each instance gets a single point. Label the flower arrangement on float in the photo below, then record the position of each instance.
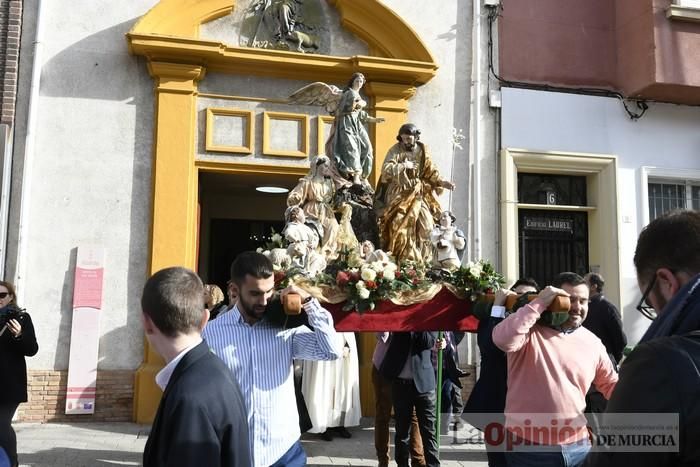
(369, 283)
(363, 284)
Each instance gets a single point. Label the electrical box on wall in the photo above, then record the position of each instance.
(495, 99)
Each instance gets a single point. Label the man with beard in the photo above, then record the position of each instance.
(406, 198)
(661, 374)
(260, 354)
(550, 368)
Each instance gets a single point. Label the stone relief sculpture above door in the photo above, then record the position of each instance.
(304, 26)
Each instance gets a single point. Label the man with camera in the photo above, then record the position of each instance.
(551, 364)
(661, 374)
(260, 354)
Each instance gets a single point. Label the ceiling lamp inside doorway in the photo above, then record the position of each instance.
(271, 189)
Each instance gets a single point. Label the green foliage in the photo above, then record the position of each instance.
(476, 279)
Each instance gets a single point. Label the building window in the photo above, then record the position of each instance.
(665, 196)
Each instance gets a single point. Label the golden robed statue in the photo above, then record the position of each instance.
(406, 198)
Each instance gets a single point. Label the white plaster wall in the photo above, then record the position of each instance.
(90, 176)
(667, 136)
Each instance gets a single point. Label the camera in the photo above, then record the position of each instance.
(9, 312)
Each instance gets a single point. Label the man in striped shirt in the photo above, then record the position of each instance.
(260, 355)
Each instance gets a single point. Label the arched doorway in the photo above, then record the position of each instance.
(168, 36)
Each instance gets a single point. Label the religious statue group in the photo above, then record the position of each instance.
(334, 211)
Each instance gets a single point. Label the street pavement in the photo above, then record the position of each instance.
(114, 444)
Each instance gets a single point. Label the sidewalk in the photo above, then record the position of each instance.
(113, 444)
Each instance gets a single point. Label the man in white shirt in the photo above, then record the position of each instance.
(260, 354)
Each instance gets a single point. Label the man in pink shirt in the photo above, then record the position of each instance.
(550, 369)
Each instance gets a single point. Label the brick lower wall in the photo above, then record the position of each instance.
(47, 397)
(115, 396)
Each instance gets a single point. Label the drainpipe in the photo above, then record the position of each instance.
(7, 134)
(29, 149)
(476, 128)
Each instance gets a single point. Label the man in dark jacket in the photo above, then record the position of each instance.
(604, 321)
(408, 365)
(661, 374)
(603, 318)
(201, 419)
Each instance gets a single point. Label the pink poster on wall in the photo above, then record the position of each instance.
(85, 330)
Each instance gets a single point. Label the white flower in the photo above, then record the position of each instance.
(363, 294)
(266, 252)
(360, 285)
(259, 249)
(390, 271)
(368, 274)
(276, 238)
(474, 269)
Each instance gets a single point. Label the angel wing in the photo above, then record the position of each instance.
(318, 93)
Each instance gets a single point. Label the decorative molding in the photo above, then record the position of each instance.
(555, 207)
(390, 97)
(251, 168)
(179, 78)
(303, 119)
(278, 63)
(559, 162)
(321, 135)
(227, 97)
(246, 115)
(385, 32)
(672, 174)
(683, 13)
(603, 222)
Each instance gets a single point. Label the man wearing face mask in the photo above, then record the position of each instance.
(661, 374)
(550, 368)
(260, 354)
(406, 198)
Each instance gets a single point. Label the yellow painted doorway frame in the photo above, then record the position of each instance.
(168, 37)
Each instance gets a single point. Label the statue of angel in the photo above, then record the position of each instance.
(303, 241)
(370, 254)
(348, 145)
(449, 243)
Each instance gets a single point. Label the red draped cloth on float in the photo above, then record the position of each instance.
(444, 312)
